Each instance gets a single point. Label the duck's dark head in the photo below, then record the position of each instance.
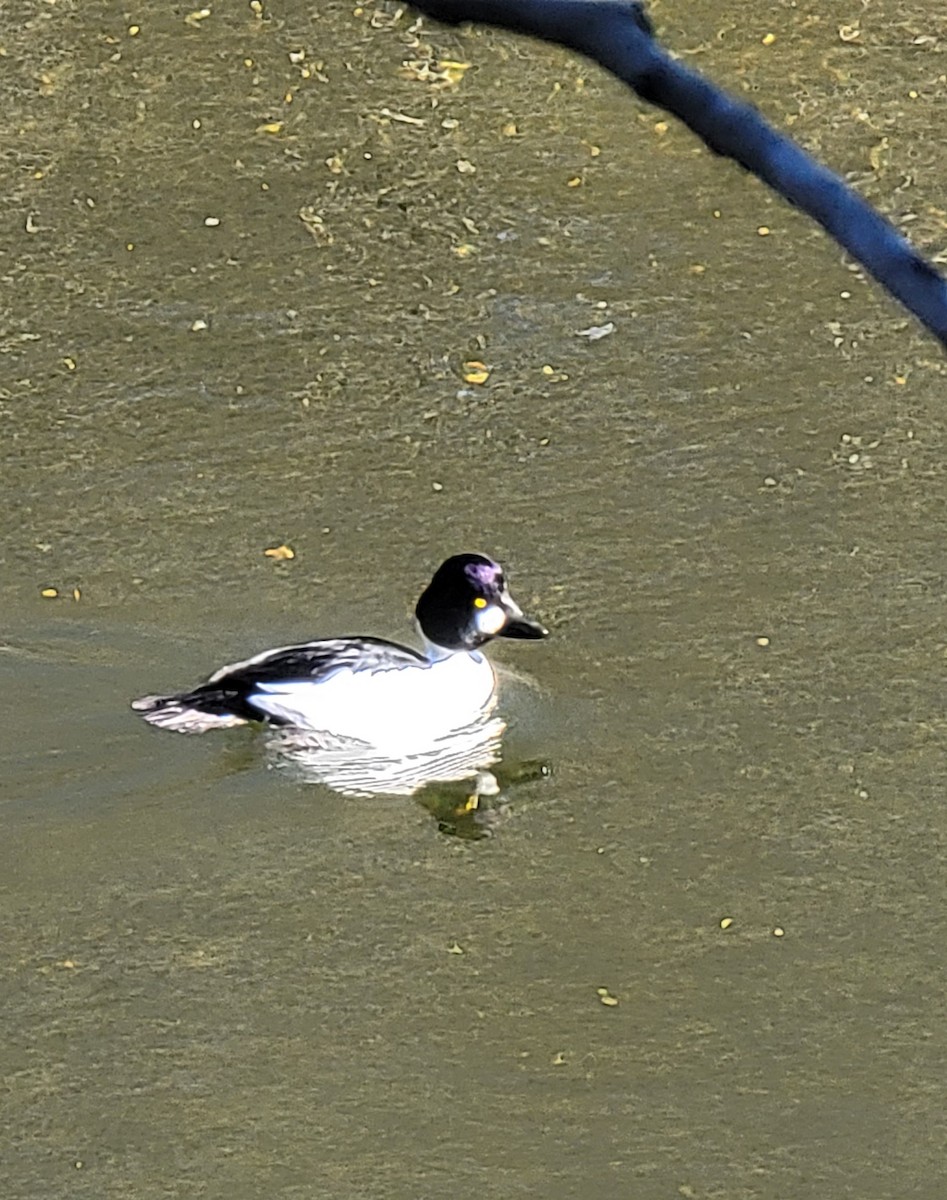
(467, 603)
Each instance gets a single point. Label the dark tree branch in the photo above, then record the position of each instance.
(618, 35)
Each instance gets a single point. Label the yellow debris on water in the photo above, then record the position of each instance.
(50, 593)
(768, 39)
(281, 553)
(315, 225)
(875, 153)
(443, 74)
(270, 127)
(605, 997)
(726, 922)
(198, 15)
(453, 70)
(476, 372)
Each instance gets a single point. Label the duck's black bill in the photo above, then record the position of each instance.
(523, 627)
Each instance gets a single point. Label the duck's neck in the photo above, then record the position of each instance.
(434, 653)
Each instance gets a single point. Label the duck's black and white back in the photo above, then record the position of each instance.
(366, 690)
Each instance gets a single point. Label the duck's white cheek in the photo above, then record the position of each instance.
(490, 620)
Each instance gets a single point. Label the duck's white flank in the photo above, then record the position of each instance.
(386, 708)
(391, 708)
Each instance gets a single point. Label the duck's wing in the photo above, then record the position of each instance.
(315, 661)
(227, 697)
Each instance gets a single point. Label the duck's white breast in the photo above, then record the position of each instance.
(394, 708)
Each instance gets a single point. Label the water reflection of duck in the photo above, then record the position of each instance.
(367, 692)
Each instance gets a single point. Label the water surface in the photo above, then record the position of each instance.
(238, 299)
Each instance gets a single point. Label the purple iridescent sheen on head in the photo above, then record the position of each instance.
(485, 575)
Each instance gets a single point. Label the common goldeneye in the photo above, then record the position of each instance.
(366, 690)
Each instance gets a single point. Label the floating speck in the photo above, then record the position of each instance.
(595, 332)
(476, 372)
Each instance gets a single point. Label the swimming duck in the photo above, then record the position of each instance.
(364, 689)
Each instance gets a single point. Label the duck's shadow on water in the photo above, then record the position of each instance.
(463, 779)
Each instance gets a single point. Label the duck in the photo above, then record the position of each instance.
(367, 691)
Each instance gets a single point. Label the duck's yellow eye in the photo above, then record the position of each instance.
(479, 602)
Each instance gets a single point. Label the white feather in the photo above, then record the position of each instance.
(394, 709)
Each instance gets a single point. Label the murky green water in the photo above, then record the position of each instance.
(220, 982)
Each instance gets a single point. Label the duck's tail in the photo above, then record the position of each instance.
(182, 714)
